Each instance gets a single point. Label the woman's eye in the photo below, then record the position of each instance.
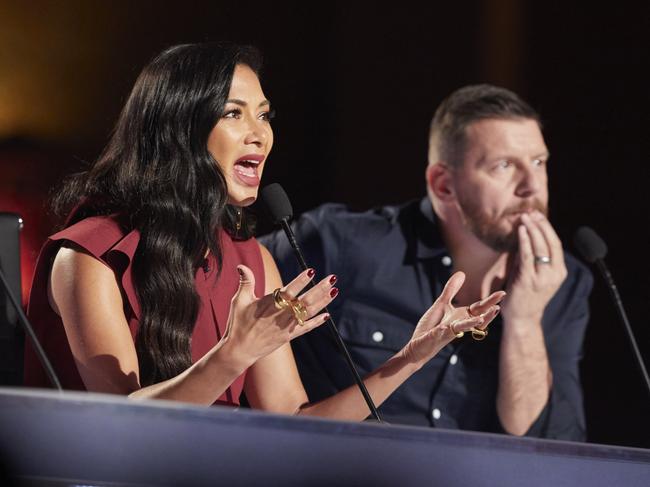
(234, 113)
(538, 162)
(505, 164)
(268, 116)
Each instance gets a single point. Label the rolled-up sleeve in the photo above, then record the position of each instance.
(563, 416)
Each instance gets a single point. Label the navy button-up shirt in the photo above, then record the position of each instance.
(391, 265)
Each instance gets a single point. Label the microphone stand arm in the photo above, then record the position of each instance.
(335, 332)
(613, 290)
(49, 370)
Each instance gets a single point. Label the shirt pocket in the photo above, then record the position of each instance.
(372, 334)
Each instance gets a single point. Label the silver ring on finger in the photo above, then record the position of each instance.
(542, 259)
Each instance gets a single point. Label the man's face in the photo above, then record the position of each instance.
(503, 175)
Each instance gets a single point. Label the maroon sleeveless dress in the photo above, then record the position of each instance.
(104, 239)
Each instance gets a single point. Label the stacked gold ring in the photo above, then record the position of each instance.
(282, 301)
(459, 334)
(479, 334)
(299, 311)
(279, 299)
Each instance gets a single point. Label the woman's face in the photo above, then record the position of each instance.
(242, 138)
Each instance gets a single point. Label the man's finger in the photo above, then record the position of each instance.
(537, 240)
(552, 239)
(526, 263)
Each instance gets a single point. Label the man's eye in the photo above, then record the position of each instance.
(505, 164)
(538, 162)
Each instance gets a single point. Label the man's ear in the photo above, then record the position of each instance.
(440, 182)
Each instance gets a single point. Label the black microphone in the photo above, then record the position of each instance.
(594, 250)
(49, 370)
(279, 208)
(590, 245)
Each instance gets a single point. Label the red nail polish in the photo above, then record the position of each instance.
(311, 272)
(333, 279)
(334, 292)
(326, 317)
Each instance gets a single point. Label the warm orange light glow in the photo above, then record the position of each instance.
(52, 65)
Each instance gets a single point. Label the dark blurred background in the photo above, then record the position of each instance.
(355, 87)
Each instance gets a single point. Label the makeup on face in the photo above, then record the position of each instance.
(242, 138)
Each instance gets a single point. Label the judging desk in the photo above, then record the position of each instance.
(50, 438)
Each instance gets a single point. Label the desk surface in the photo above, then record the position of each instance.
(73, 438)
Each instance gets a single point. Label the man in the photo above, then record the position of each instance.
(485, 215)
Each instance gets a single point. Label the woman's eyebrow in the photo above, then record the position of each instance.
(242, 103)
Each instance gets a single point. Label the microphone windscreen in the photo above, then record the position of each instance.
(589, 244)
(276, 202)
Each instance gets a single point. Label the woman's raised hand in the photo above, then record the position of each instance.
(443, 322)
(257, 327)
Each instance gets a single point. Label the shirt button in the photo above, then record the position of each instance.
(453, 359)
(446, 261)
(436, 413)
(378, 337)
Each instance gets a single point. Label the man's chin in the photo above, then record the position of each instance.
(506, 243)
(498, 233)
(503, 241)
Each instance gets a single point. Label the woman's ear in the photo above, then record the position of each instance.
(440, 182)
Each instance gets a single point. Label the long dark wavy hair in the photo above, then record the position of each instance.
(157, 174)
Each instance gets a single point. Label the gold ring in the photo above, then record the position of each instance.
(479, 335)
(299, 311)
(280, 300)
(469, 311)
(459, 334)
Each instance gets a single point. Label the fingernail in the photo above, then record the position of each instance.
(311, 272)
(241, 273)
(333, 279)
(326, 317)
(496, 313)
(334, 292)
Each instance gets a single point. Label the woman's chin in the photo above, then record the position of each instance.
(241, 199)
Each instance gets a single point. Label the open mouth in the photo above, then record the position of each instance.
(246, 170)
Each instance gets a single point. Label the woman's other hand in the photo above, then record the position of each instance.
(441, 323)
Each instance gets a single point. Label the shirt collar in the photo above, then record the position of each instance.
(428, 232)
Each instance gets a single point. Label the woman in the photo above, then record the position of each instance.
(151, 289)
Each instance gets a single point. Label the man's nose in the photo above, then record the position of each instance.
(530, 182)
